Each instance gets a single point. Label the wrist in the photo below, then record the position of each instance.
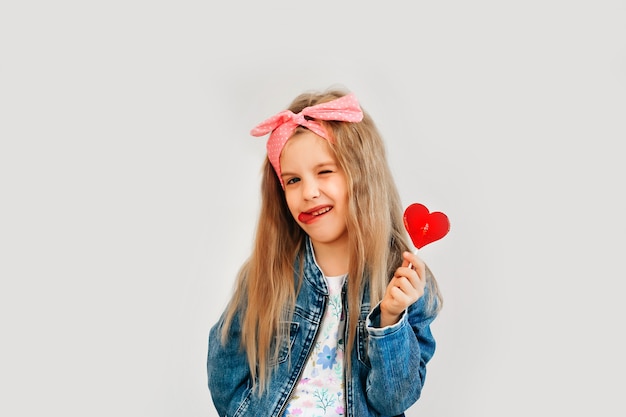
(387, 318)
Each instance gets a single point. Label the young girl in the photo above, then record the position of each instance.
(331, 312)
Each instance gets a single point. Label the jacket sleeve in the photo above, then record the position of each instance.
(398, 356)
(227, 368)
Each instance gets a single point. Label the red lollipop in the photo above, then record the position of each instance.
(423, 226)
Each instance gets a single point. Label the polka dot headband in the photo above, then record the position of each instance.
(282, 125)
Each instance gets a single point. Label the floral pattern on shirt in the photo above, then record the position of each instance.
(320, 391)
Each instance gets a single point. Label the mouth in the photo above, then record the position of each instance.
(311, 215)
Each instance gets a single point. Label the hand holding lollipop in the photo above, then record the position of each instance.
(407, 284)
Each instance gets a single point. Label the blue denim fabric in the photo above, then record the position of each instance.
(388, 364)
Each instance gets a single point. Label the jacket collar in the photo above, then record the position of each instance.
(312, 271)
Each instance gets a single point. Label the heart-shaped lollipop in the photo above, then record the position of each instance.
(423, 226)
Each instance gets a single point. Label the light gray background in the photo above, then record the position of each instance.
(129, 189)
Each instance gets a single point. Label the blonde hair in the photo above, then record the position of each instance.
(266, 290)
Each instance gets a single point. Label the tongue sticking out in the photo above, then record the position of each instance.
(310, 216)
(305, 217)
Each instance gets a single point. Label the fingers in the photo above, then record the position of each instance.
(403, 291)
(413, 268)
(406, 286)
(400, 294)
(411, 259)
(412, 286)
(395, 301)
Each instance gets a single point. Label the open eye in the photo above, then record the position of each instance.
(292, 180)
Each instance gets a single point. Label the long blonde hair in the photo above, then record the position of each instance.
(266, 290)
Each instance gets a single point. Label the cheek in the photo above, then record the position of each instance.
(291, 204)
(341, 192)
(345, 202)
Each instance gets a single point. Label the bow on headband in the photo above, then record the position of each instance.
(282, 125)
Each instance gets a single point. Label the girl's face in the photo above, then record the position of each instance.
(315, 188)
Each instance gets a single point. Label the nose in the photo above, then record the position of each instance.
(310, 190)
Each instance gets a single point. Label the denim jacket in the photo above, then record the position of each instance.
(388, 364)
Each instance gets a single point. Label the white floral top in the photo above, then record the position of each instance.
(320, 392)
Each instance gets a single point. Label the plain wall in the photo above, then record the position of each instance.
(129, 189)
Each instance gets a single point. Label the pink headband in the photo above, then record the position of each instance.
(282, 125)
